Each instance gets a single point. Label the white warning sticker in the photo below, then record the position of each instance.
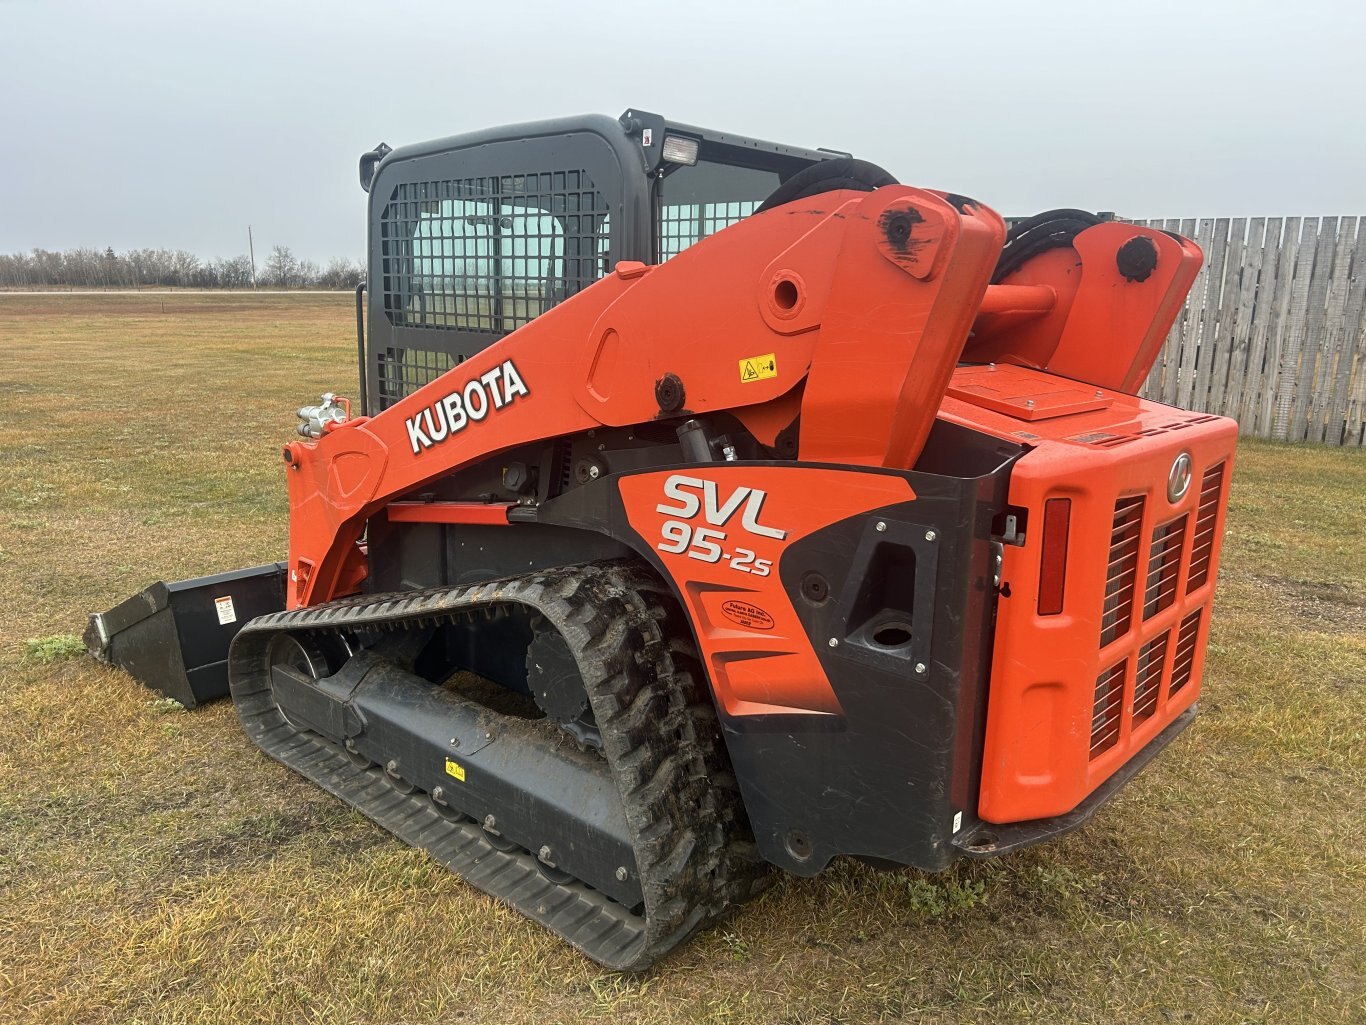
(226, 613)
(957, 821)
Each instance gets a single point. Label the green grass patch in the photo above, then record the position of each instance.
(51, 649)
(155, 868)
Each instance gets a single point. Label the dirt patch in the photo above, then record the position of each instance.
(1320, 605)
(263, 837)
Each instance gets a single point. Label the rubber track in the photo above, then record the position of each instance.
(692, 842)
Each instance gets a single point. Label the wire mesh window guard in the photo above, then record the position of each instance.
(698, 201)
(489, 255)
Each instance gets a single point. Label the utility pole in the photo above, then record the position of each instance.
(251, 250)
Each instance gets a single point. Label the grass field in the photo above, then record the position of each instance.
(155, 868)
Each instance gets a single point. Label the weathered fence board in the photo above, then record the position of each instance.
(1273, 332)
(1238, 338)
(1261, 416)
(1351, 358)
(1263, 313)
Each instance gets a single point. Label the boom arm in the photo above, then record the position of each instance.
(876, 289)
(850, 309)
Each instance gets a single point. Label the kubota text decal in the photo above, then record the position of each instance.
(491, 390)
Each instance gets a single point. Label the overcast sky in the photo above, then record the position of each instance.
(133, 124)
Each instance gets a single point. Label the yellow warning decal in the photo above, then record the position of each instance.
(758, 368)
(455, 769)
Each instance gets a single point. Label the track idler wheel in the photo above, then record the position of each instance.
(557, 685)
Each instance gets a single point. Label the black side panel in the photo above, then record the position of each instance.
(907, 594)
(409, 556)
(888, 779)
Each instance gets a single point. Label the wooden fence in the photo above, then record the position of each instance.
(1273, 332)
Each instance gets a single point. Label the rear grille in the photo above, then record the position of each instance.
(1184, 661)
(1110, 710)
(1202, 544)
(1118, 612)
(1148, 681)
(1105, 713)
(1164, 563)
(1161, 589)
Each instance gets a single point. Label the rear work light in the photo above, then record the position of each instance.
(1057, 516)
(679, 149)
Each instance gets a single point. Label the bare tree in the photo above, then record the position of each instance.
(152, 268)
(183, 266)
(341, 274)
(282, 269)
(234, 273)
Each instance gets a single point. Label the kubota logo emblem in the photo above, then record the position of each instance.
(1179, 478)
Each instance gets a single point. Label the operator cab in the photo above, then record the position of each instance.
(473, 236)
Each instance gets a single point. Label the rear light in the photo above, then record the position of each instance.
(679, 149)
(1057, 516)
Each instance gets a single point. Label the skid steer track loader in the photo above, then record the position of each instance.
(711, 505)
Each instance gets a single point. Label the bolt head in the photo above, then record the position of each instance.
(930, 535)
(921, 668)
(392, 766)
(881, 526)
(622, 873)
(438, 793)
(834, 642)
(544, 853)
(594, 472)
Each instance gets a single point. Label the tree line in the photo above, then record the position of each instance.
(170, 268)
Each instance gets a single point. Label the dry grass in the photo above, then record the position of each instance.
(155, 868)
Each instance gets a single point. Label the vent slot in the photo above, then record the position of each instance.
(1148, 680)
(1164, 565)
(1105, 711)
(1184, 662)
(1202, 544)
(1120, 575)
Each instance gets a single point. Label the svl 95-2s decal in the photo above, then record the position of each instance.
(707, 544)
(703, 522)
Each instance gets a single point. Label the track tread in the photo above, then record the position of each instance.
(694, 851)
